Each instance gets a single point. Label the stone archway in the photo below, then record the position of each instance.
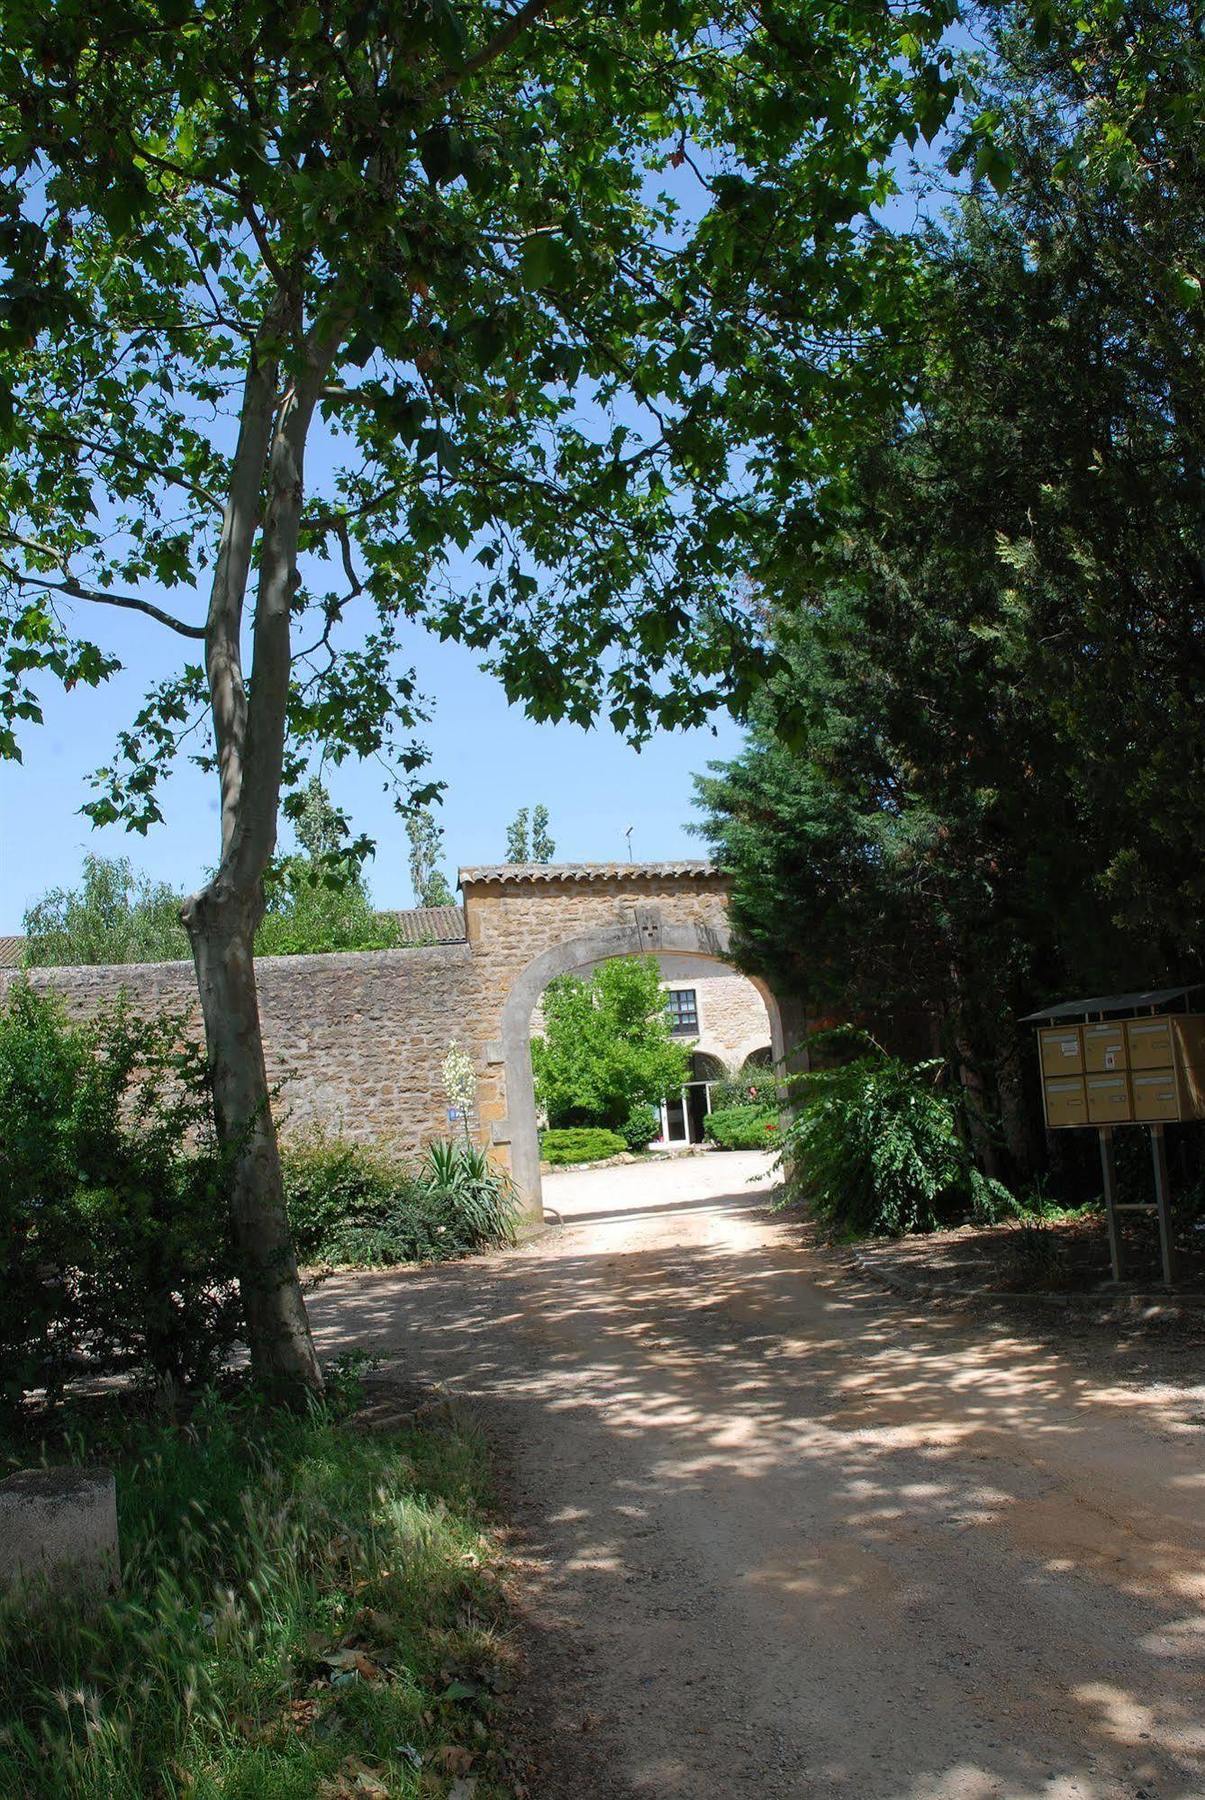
(639, 937)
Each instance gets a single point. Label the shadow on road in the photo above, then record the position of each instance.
(790, 1536)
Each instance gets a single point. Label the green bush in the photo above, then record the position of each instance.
(607, 1047)
(756, 1087)
(115, 1247)
(877, 1151)
(360, 1205)
(640, 1127)
(742, 1127)
(580, 1143)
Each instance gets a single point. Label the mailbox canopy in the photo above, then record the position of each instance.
(1172, 999)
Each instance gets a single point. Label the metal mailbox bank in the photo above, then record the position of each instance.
(1124, 1059)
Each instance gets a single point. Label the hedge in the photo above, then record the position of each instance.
(580, 1143)
(742, 1128)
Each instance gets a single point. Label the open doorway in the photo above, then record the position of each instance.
(683, 1113)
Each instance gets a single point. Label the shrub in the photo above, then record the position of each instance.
(876, 1149)
(114, 1236)
(1036, 1258)
(640, 1127)
(116, 915)
(742, 1127)
(580, 1143)
(757, 1087)
(359, 1205)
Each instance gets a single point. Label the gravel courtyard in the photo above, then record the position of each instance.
(783, 1534)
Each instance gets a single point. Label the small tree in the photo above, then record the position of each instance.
(116, 915)
(543, 849)
(426, 851)
(607, 1047)
(517, 847)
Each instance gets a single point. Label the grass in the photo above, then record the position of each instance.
(310, 1612)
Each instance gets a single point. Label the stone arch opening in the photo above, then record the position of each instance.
(697, 939)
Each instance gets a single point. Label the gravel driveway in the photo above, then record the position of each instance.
(785, 1535)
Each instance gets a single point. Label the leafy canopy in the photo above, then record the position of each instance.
(531, 267)
(606, 1048)
(117, 915)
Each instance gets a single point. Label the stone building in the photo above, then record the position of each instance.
(355, 1042)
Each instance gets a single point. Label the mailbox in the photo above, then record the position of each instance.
(1156, 1096)
(1109, 1101)
(1066, 1101)
(1062, 1050)
(1105, 1048)
(1124, 1059)
(1149, 1043)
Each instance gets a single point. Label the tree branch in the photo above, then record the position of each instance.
(223, 657)
(174, 477)
(129, 602)
(498, 45)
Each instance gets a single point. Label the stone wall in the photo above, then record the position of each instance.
(356, 1041)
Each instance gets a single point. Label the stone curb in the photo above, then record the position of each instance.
(1185, 1309)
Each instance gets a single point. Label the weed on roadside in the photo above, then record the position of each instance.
(309, 1612)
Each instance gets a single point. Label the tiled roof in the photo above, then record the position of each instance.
(11, 951)
(510, 873)
(431, 924)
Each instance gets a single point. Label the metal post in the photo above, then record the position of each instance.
(1162, 1200)
(1109, 1173)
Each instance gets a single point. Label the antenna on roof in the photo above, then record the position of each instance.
(628, 834)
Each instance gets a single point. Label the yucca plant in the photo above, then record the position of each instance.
(481, 1198)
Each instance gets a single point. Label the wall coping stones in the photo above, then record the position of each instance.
(528, 874)
(458, 950)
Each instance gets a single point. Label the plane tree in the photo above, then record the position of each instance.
(324, 322)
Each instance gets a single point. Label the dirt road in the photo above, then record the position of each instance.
(788, 1536)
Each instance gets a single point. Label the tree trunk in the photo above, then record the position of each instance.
(249, 724)
(278, 1330)
(1016, 1114)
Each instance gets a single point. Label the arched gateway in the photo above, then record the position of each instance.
(355, 1043)
(533, 922)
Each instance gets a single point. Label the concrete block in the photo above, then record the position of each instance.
(58, 1529)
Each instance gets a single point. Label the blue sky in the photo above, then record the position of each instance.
(492, 758)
